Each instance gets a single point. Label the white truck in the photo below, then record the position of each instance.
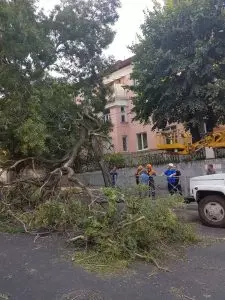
(209, 192)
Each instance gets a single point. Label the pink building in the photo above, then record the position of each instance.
(127, 135)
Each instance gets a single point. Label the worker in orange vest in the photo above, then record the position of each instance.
(151, 173)
(138, 173)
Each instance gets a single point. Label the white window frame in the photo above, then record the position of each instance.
(107, 117)
(142, 141)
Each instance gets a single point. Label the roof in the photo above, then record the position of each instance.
(120, 64)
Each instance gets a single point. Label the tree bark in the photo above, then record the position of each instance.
(97, 149)
(195, 132)
(76, 148)
(105, 173)
(210, 122)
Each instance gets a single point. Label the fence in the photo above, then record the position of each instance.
(134, 159)
(219, 153)
(129, 160)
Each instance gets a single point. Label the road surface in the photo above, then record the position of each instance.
(43, 271)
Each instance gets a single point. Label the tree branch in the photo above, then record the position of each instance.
(76, 148)
(79, 237)
(19, 162)
(133, 222)
(147, 257)
(83, 186)
(20, 221)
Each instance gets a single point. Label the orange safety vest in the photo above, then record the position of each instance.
(151, 172)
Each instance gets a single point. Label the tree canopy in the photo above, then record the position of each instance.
(179, 65)
(46, 61)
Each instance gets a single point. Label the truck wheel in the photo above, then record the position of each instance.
(212, 211)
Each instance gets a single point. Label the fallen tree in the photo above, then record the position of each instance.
(44, 127)
(51, 179)
(47, 121)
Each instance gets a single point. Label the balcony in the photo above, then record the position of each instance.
(118, 92)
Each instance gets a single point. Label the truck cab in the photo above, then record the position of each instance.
(209, 192)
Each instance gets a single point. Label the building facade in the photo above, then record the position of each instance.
(131, 136)
(127, 135)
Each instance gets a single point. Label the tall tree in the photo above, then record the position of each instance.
(46, 62)
(179, 66)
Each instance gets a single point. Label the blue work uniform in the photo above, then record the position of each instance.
(144, 179)
(171, 180)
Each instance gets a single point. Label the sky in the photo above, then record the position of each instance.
(131, 17)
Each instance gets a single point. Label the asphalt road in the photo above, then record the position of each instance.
(41, 271)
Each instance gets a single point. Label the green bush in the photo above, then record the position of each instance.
(115, 159)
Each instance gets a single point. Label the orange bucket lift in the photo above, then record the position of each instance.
(181, 141)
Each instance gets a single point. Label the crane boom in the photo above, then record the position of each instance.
(181, 142)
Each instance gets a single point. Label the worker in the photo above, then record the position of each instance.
(150, 170)
(138, 173)
(144, 177)
(171, 179)
(144, 181)
(177, 184)
(210, 170)
(151, 173)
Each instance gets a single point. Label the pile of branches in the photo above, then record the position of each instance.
(54, 171)
(122, 228)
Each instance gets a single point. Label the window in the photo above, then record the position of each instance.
(125, 146)
(107, 117)
(123, 118)
(142, 141)
(123, 114)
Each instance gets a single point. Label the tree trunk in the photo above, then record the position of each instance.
(105, 173)
(210, 123)
(195, 132)
(97, 149)
(76, 149)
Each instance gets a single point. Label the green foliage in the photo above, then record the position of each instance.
(7, 223)
(128, 226)
(58, 215)
(179, 65)
(115, 159)
(144, 229)
(22, 196)
(56, 210)
(172, 3)
(37, 110)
